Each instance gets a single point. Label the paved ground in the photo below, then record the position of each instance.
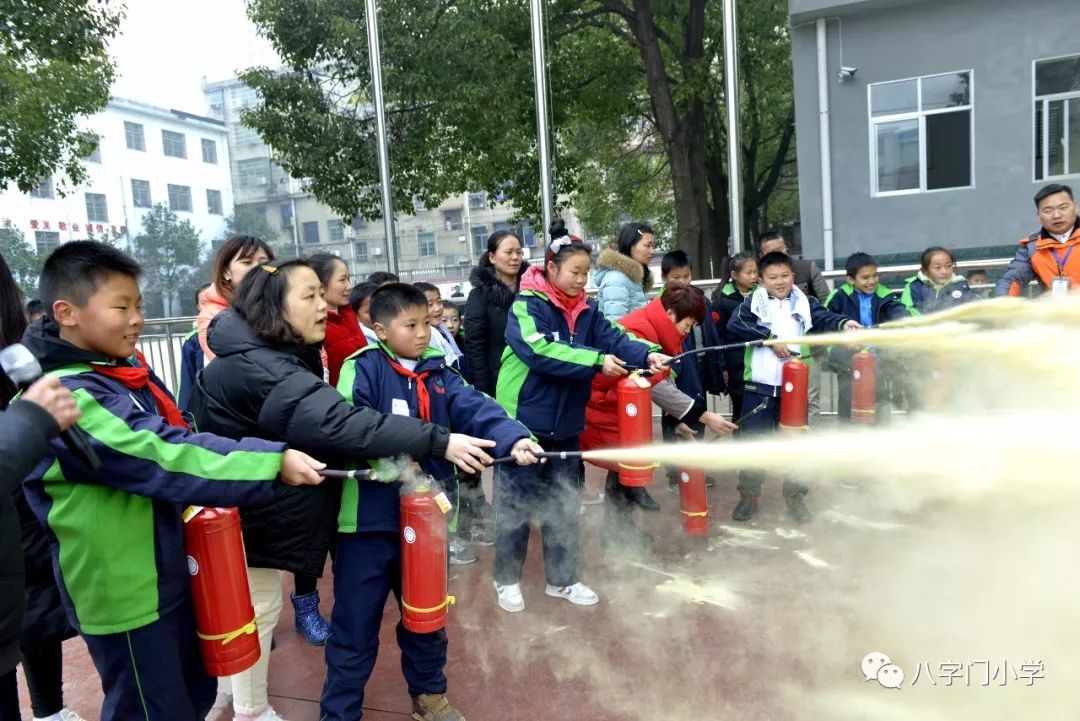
(766, 621)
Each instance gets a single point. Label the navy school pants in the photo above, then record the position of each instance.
(550, 494)
(366, 570)
(764, 422)
(154, 673)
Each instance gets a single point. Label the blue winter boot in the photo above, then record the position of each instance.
(309, 622)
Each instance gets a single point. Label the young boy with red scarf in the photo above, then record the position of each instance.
(402, 375)
(556, 342)
(115, 532)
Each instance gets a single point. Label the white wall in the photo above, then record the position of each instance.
(119, 165)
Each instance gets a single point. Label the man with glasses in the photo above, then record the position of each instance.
(1047, 255)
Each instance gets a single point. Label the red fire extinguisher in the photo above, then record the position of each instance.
(633, 395)
(863, 387)
(794, 396)
(938, 393)
(424, 600)
(692, 502)
(224, 617)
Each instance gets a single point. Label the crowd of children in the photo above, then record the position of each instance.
(394, 352)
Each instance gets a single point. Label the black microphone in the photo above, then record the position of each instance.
(23, 369)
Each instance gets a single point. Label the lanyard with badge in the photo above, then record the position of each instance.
(1061, 282)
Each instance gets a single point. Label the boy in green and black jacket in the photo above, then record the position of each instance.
(865, 299)
(116, 533)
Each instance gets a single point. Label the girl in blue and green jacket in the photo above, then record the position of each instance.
(556, 341)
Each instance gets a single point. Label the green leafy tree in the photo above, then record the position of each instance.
(54, 68)
(169, 251)
(246, 220)
(636, 106)
(24, 262)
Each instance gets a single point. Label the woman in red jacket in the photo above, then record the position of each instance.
(343, 334)
(665, 320)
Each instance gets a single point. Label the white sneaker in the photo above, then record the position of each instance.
(222, 702)
(64, 714)
(578, 594)
(460, 553)
(510, 598)
(268, 714)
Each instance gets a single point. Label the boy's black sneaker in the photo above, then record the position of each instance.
(746, 507)
(796, 504)
(640, 496)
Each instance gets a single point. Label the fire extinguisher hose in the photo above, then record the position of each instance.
(227, 638)
(449, 601)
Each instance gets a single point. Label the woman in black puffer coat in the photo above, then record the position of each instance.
(266, 381)
(495, 282)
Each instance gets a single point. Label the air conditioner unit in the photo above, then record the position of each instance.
(461, 239)
(349, 232)
(376, 251)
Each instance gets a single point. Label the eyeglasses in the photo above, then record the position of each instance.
(1063, 209)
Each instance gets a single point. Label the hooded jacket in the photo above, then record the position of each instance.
(1042, 257)
(547, 370)
(343, 338)
(116, 535)
(651, 324)
(255, 388)
(192, 361)
(619, 282)
(485, 326)
(213, 303)
(922, 296)
(746, 326)
(369, 382)
(25, 430)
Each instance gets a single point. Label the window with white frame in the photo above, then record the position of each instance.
(213, 202)
(361, 251)
(46, 241)
(921, 134)
(133, 136)
(243, 135)
(173, 144)
(427, 244)
(180, 198)
(44, 189)
(310, 230)
(252, 172)
(140, 193)
(209, 151)
(1057, 117)
(334, 231)
(97, 209)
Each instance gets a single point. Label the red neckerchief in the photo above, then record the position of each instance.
(571, 306)
(138, 377)
(423, 401)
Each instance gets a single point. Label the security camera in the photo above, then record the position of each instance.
(846, 73)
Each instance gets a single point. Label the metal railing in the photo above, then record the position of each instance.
(162, 338)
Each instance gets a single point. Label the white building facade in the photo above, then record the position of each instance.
(146, 155)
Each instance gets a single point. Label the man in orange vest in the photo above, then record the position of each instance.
(1047, 255)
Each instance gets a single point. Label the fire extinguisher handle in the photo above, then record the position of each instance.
(359, 474)
(563, 455)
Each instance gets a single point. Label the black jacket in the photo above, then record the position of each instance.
(485, 326)
(254, 388)
(25, 430)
